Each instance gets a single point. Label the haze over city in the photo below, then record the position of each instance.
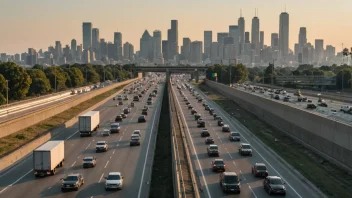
(38, 24)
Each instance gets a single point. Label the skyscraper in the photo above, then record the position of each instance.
(146, 45)
(241, 30)
(208, 38)
(284, 35)
(302, 37)
(214, 52)
(165, 49)
(103, 48)
(73, 48)
(118, 43)
(87, 35)
(234, 33)
(274, 40)
(246, 37)
(255, 34)
(173, 39)
(95, 40)
(261, 40)
(128, 51)
(319, 50)
(186, 48)
(157, 54)
(196, 51)
(58, 49)
(221, 36)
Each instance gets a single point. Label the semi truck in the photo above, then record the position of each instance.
(48, 157)
(88, 123)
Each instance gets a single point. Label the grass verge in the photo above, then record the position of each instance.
(11, 142)
(161, 182)
(329, 178)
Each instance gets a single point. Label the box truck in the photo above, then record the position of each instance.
(88, 123)
(48, 157)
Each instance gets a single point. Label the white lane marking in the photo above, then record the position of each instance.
(88, 146)
(255, 149)
(106, 164)
(73, 163)
(242, 175)
(15, 181)
(79, 156)
(250, 188)
(234, 163)
(113, 152)
(49, 188)
(146, 155)
(220, 140)
(194, 150)
(120, 138)
(72, 135)
(117, 144)
(110, 157)
(101, 177)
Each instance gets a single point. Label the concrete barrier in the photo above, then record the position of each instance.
(12, 158)
(329, 137)
(28, 120)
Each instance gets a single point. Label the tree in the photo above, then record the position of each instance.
(19, 80)
(40, 67)
(347, 78)
(239, 73)
(296, 73)
(269, 74)
(76, 77)
(55, 72)
(325, 68)
(2, 99)
(40, 83)
(2, 84)
(304, 67)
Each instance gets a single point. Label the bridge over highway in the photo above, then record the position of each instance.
(193, 70)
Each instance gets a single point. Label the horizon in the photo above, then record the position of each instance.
(36, 31)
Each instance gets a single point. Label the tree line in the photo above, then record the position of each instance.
(40, 80)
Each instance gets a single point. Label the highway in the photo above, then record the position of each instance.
(332, 111)
(208, 181)
(135, 163)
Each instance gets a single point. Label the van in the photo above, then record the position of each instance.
(345, 108)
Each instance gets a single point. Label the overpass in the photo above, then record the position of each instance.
(193, 70)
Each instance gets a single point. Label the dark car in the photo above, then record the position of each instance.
(323, 104)
(207, 108)
(200, 99)
(136, 98)
(274, 185)
(211, 111)
(234, 136)
(124, 115)
(197, 116)
(141, 119)
(135, 140)
(72, 181)
(230, 182)
(259, 170)
(201, 123)
(89, 162)
(118, 118)
(193, 111)
(149, 102)
(190, 106)
(205, 133)
(209, 140)
(220, 123)
(126, 111)
(311, 106)
(225, 128)
(277, 97)
(120, 103)
(144, 112)
(140, 95)
(218, 165)
(218, 118)
(214, 115)
(187, 103)
(213, 150)
(115, 128)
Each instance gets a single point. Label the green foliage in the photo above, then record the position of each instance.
(345, 77)
(40, 67)
(40, 83)
(19, 80)
(2, 84)
(56, 73)
(2, 99)
(76, 77)
(239, 73)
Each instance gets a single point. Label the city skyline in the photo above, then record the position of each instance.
(131, 27)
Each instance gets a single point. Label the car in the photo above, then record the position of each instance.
(217, 118)
(72, 181)
(149, 102)
(213, 149)
(197, 116)
(201, 123)
(101, 146)
(323, 104)
(209, 140)
(140, 95)
(205, 133)
(234, 136)
(150, 99)
(207, 108)
(118, 118)
(277, 97)
(137, 132)
(188, 103)
(185, 99)
(199, 120)
(89, 162)
(120, 103)
(141, 119)
(126, 110)
(115, 128)
(220, 123)
(114, 180)
(345, 108)
(286, 99)
(190, 106)
(125, 98)
(135, 140)
(230, 182)
(218, 165)
(225, 128)
(193, 111)
(106, 132)
(124, 115)
(259, 170)
(311, 106)
(274, 185)
(136, 98)
(200, 99)
(144, 112)
(146, 107)
(211, 111)
(245, 149)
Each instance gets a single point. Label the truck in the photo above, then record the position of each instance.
(88, 123)
(48, 157)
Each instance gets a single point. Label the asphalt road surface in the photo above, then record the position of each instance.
(135, 163)
(250, 186)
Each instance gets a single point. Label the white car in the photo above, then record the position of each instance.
(114, 180)
(106, 132)
(137, 132)
(101, 146)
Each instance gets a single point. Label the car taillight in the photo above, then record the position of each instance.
(214, 165)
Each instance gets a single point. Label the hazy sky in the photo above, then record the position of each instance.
(39, 23)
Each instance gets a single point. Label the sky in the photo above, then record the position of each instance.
(39, 23)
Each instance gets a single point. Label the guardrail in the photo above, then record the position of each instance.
(183, 151)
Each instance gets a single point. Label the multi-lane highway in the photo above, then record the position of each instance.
(134, 163)
(332, 111)
(208, 180)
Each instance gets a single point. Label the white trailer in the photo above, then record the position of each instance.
(48, 157)
(88, 123)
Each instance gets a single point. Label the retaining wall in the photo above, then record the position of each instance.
(28, 120)
(329, 137)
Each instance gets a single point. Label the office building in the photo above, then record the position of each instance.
(165, 49)
(246, 37)
(32, 57)
(235, 34)
(319, 50)
(157, 54)
(330, 52)
(261, 40)
(274, 40)
(284, 35)
(79, 52)
(95, 40)
(241, 30)
(214, 52)
(74, 48)
(208, 39)
(196, 51)
(146, 45)
(186, 49)
(87, 35)
(58, 50)
(173, 39)
(112, 50)
(86, 56)
(255, 35)
(302, 37)
(128, 51)
(103, 49)
(17, 57)
(220, 38)
(118, 43)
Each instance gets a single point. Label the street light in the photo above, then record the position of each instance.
(7, 92)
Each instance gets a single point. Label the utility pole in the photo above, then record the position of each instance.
(7, 92)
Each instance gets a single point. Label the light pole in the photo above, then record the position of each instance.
(55, 77)
(7, 92)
